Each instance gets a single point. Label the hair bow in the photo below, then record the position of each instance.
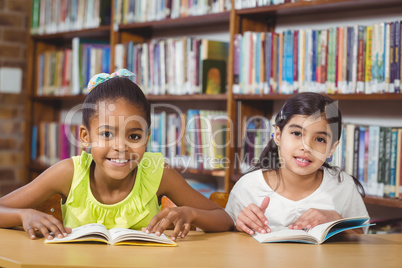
(102, 77)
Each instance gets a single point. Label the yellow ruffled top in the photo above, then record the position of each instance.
(134, 212)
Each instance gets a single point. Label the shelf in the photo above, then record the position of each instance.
(309, 7)
(194, 97)
(102, 31)
(151, 98)
(185, 22)
(360, 97)
(386, 202)
(59, 98)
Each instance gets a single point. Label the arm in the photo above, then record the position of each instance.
(17, 208)
(193, 208)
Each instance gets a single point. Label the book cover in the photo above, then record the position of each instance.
(361, 56)
(213, 76)
(360, 175)
(316, 235)
(95, 232)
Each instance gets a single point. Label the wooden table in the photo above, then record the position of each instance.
(229, 249)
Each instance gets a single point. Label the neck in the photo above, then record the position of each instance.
(293, 186)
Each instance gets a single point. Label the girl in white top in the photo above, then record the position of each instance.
(291, 186)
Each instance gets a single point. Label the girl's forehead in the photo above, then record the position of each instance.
(308, 121)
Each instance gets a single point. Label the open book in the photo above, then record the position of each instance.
(96, 232)
(315, 235)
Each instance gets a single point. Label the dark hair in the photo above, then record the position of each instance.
(310, 104)
(113, 89)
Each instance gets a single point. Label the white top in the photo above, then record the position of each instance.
(343, 197)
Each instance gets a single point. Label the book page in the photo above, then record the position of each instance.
(284, 236)
(93, 231)
(120, 234)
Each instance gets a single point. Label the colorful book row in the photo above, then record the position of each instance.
(240, 4)
(355, 59)
(175, 66)
(52, 142)
(194, 140)
(372, 154)
(68, 71)
(53, 16)
(134, 11)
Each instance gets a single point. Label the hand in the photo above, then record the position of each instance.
(313, 217)
(180, 217)
(252, 218)
(33, 220)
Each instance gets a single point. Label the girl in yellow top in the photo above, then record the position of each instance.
(118, 184)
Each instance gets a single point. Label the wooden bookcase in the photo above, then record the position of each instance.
(237, 21)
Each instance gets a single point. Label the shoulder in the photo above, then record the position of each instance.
(249, 182)
(336, 180)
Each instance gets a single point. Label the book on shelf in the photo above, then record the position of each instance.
(49, 16)
(96, 232)
(316, 235)
(127, 11)
(173, 65)
(213, 76)
(344, 59)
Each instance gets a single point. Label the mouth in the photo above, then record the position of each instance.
(303, 160)
(118, 161)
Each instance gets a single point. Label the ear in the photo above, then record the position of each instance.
(331, 152)
(84, 136)
(277, 135)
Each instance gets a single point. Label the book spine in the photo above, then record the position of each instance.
(356, 144)
(387, 45)
(368, 75)
(392, 58)
(393, 162)
(387, 161)
(362, 135)
(397, 53)
(374, 133)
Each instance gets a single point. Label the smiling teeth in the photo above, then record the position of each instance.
(301, 159)
(119, 160)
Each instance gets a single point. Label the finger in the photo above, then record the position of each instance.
(155, 220)
(264, 204)
(31, 232)
(257, 217)
(163, 225)
(44, 230)
(240, 226)
(177, 229)
(186, 230)
(56, 227)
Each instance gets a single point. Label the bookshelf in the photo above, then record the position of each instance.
(264, 19)
(312, 13)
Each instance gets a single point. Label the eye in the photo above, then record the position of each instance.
(135, 137)
(296, 133)
(322, 140)
(107, 134)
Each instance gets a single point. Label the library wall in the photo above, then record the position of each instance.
(13, 53)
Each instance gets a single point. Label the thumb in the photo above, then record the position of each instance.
(264, 204)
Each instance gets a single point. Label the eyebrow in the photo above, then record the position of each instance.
(113, 128)
(319, 132)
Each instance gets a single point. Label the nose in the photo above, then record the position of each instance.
(120, 144)
(305, 145)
